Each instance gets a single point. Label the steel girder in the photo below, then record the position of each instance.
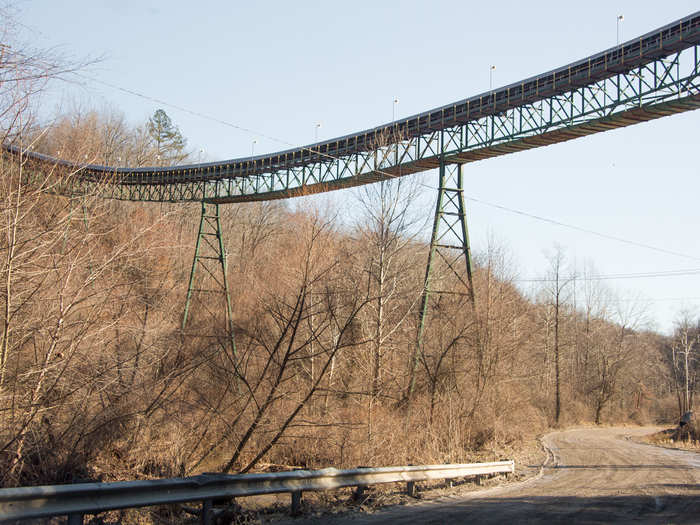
(663, 87)
(644, 78)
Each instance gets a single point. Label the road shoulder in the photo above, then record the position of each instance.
(318, 507)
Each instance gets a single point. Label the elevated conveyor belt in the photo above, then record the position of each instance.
(649, 77)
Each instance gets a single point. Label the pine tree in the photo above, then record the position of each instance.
(169, 143)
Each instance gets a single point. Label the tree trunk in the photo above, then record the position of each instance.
(557, 395)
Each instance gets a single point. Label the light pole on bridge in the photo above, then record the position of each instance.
(620, 18)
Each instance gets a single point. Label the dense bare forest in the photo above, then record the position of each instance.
(98, 380)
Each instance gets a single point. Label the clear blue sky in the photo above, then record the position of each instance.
(282, 67)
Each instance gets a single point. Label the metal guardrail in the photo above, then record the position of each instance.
(76, 500)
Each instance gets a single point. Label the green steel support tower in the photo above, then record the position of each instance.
(449, 243)
(210, 256)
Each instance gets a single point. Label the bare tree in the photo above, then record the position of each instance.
(618, 341)
(278, 339)
(557, 293)
(24, 73)
(682, 355)
(386, 231)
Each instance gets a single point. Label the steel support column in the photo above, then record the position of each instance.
(210, 256)
(449, 243)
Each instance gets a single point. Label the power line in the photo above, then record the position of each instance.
(602, 277)
(388, 175)
(196, 113)
(584, 230)
(659, 299)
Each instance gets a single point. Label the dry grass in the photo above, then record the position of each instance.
(681, 438)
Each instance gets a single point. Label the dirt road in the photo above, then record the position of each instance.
(595, 476)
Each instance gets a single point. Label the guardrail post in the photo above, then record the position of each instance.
(75, 519)
(296, 503)
(411, 489)
(511, 473)
(478, 480)
(205, 517)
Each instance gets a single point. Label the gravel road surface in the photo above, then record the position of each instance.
(596, 475)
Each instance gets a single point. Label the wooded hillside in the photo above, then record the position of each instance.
(98, 379)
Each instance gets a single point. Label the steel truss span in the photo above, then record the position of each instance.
(652, 76)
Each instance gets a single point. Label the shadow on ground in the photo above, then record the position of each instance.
(658, 508)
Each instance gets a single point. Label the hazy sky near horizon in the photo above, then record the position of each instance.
(280, 68)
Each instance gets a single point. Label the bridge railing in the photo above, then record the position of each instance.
(76, 500)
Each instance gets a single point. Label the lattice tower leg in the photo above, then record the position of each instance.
(210, 256)
(69, 223)
(449, 244)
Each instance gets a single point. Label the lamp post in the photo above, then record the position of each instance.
(252, 147)
(316, 128)
(393, 109)
(491, 70)
(620, 18)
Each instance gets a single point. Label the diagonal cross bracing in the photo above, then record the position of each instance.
(449, 249)
(210, 260)
(646, 78)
